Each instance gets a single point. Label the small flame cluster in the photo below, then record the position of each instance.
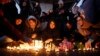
(35, 45)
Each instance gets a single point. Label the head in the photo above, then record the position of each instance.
(52, 25)
(60, 3)
(32, 23)
(82, 13)
(24, 2)
(18, 21)
(80, 21)
(68, 25)
(36, 4)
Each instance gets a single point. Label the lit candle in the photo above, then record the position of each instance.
(66, 50)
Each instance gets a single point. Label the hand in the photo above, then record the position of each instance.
(34, 35)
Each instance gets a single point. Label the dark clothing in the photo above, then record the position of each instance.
(43, 19)
(10, 14)
(25, 10)
(67, 33)
(51, 34)
(1, 26)
(10, 11)
(78, 37)
(20, 27)
(9, 30)
(72, 34)
(29, 32)
(37, 11)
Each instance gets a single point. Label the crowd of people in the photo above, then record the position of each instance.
(31, 23)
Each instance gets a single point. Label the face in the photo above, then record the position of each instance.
(18, 21)
(52, 25)
(79, 21)
(32, 24)
(68, 25)
(24, 4)
(37, 3)
(60, 5)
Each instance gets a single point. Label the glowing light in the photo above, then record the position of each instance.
(56, 49)
(87, 48)
(79, 49)
(93, 49)
(84, 49)
(35, 45)
(66, 50)
(73, 50)
(38, 45)
(49, 47)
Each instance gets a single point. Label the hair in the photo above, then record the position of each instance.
(48, 25)
(44, 13)
(33, 20)
(79, 15)
(69, 22)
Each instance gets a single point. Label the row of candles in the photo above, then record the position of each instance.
(37, 45)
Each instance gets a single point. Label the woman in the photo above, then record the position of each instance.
(51, 32)
(32, 28)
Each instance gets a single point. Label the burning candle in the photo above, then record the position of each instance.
(79, 49)
(66, 50)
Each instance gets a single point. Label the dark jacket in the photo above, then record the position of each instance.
(10, 11)
(28, 32)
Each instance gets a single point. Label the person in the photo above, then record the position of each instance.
(51, 32)
(67, 31)
(43, 20)
(9, 10)
(32, 30)
(72, 34)
(7, 19)
(37, 10)
(19, 24)
(58, 5)
(43, 17)
(25, 8)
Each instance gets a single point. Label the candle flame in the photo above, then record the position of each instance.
(35, 45)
